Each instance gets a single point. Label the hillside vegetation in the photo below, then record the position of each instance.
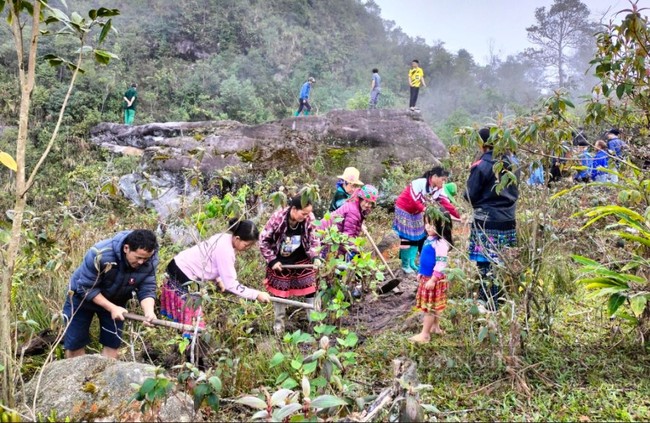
(568, 343)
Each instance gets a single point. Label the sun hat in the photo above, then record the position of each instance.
(351, 176)
(368, 193)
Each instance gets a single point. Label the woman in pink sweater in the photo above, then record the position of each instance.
(210, 260)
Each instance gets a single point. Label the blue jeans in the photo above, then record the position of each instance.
(77, 335)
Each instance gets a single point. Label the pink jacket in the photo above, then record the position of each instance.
(212, 259)
(350, 220)
(275, 230)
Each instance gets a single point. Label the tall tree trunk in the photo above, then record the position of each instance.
(27, 80)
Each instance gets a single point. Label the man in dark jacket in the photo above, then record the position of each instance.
(113, 271)
(494, 224)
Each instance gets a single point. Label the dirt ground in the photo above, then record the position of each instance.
(376, 313)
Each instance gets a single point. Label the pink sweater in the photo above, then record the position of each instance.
(212, 259)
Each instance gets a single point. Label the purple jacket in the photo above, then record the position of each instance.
(350, 211)
(275, 230)
(351, 219)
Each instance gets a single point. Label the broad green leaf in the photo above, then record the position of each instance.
(615, 301)
(430, 408)
(327, 401)
(296, 364)
(215, 382)
(103, 56)
(482, 334)
(638, 304)
(286, 411)
(281, 378)
(103, 12)
(105, 29)
(290, 383)
(309, 367)
(148, 385)
(213, 401)
(620, 90)
(276, 359)
(8, 161)
(252, 402)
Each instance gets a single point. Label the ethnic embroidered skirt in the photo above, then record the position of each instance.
(431, 300)
(177, 304)
(486, 239)
(409, 226)
(291, 282)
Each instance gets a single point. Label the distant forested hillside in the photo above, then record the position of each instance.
(246, 60)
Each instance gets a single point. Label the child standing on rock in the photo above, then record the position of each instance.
(432, 291)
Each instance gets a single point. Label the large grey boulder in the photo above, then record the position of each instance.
(174, 154)
(367, 139)
(96, 388)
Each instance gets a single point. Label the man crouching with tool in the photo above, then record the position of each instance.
(112, 271)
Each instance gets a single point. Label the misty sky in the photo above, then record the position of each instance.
(474, 24)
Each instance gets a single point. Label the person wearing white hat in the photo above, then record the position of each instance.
(348, 183)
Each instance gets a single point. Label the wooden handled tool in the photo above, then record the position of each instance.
(291, 302)
(391, 284)
(165, 323)
(298, 266)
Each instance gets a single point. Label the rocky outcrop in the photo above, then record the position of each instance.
(95, 388)
(367, 139)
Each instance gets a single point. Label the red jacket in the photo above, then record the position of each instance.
(415, 196)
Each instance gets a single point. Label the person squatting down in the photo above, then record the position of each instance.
(349, 221)
(112, 272)
(347, 184)
(600, 163)
(210, 260)
(494, 226)
(289, 237)
(409, 212)
(431, 297)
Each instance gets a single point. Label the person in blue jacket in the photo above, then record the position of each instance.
(113, 271)
(586, 160)
(614, 143)
(600, 162)
(303, 101)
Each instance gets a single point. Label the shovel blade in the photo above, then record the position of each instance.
(389, 286)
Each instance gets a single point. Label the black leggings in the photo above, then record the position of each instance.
(303, 104)
(414, 96)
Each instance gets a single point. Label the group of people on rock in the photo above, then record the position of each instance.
(124, 267)
(415, 81)
(593, 163)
